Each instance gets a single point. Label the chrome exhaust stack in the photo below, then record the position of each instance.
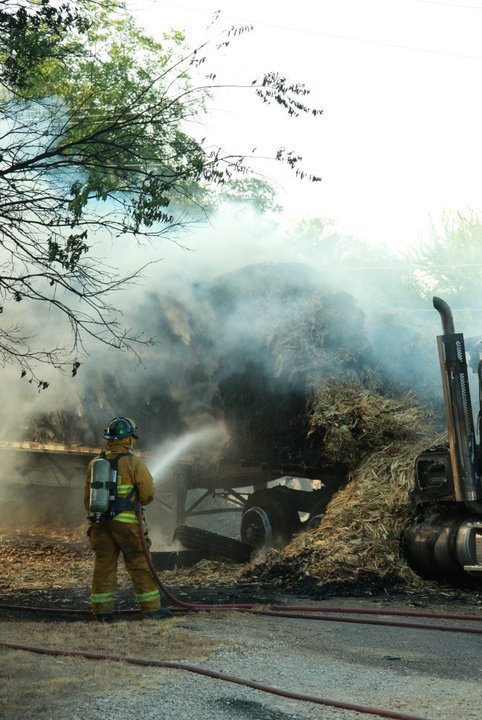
(445, 541)
(458, 411)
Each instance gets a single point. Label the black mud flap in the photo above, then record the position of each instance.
(213, 545)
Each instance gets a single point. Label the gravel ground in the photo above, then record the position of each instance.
(430, 674)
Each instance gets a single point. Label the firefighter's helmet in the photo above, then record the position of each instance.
(120, 428)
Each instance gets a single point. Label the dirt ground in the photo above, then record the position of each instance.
(430, 674)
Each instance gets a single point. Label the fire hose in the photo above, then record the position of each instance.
(305, 612)
(218, 676)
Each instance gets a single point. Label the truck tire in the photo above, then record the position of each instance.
(211, 544)
(269, 520)
(256, 529)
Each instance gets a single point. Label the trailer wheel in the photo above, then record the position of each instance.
(268, 521)
(212, 544)
(256, 528)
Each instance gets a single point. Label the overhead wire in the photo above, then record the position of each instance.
(334, 36)
(458, 6)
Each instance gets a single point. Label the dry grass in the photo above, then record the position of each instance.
(212, 572)
(39, 686)
(161, 640)
(42, 686)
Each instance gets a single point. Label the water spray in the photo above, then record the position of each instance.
(170, 451)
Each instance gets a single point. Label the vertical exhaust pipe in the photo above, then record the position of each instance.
(458, 410)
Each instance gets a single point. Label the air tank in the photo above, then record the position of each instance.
(100, 482)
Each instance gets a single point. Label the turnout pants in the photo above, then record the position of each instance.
(108, 540)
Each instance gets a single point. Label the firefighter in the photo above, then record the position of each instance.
(117, 531)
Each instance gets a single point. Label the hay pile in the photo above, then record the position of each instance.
(362, 525)
(358, 540)
(352, 421)
(295, 332)
(249, 348)
(324, 336)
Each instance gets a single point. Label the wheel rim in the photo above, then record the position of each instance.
(256, 529)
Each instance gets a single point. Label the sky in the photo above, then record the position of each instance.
(399, 140)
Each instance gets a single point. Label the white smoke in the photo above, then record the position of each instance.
(174, 303)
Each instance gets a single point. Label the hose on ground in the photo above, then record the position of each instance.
(301, 612)
(218, 676)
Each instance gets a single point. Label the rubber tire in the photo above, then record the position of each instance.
(282, 516)
(213, 545)
(256, 529)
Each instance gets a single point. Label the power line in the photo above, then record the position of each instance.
(451, 5)
(332, 36)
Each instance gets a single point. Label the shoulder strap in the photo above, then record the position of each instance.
(113, 461)
(130, 501)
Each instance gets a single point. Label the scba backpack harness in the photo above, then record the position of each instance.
(104, 502)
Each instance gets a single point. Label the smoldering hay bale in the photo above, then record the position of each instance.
(324, 336)
(359, 535)
(349, 421)
(300, 332)
(248, 347)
